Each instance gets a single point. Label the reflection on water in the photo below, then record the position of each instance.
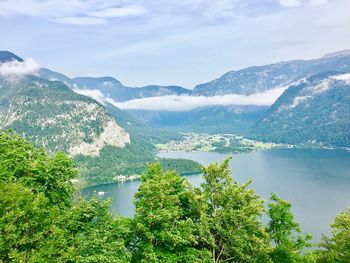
(316, 182)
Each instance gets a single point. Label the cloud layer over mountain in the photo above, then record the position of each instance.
(186, 102)
(15, 69)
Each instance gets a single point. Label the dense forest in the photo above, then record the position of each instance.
(43, 219)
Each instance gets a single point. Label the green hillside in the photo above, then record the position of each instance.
(316, 111)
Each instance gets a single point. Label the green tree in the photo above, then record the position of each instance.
(21, 162)
(164, 228)
(285, 233)
(38, 221)
(336, 248)
(230, 216)
(25, 222)
(33, 231)
(88, 232)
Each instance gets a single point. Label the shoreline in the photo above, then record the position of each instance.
(347, 150)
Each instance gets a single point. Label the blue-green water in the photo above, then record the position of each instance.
(316, 182)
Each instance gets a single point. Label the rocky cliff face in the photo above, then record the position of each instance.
(51, 115)
(112, 135)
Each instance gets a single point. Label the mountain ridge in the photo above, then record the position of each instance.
(244, 81)
(256, 79)
(252, 79)
(51, 115)
(315, 111)
(7, 56)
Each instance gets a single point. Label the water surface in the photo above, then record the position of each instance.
(316, 182)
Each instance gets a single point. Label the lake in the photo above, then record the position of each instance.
(315, 181)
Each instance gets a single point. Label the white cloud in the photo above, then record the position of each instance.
(344, 77)
(318, 2)
(17, 69)
(291, 3)
(296, 3)
(94, 94)
(46, 8)
(76, 12)
(83, 20)
(120, 11)
(185, 103)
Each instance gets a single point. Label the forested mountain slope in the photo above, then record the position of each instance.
(210, 119)
(314, 111)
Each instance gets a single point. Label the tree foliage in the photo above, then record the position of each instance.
(39, 222)
(230, 217)
(20, 161)
(220, 221)
(285, 233)
(25, 222)
(337, 247)
(164, 227)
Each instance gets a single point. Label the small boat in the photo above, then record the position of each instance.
(101, 193)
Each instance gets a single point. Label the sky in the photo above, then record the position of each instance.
(168, 42)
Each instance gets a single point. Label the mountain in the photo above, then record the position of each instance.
(7, 56)
(108, 86)
(234, 119)
(223, 119)
(103, 140)
(282, 74)
(114, 89)
(210, 119)
(52, 75)
(246, 119)
(345, 53)
(140, 132)
(314, 111)
(246, 81)
(134, 157)
(51, 115)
